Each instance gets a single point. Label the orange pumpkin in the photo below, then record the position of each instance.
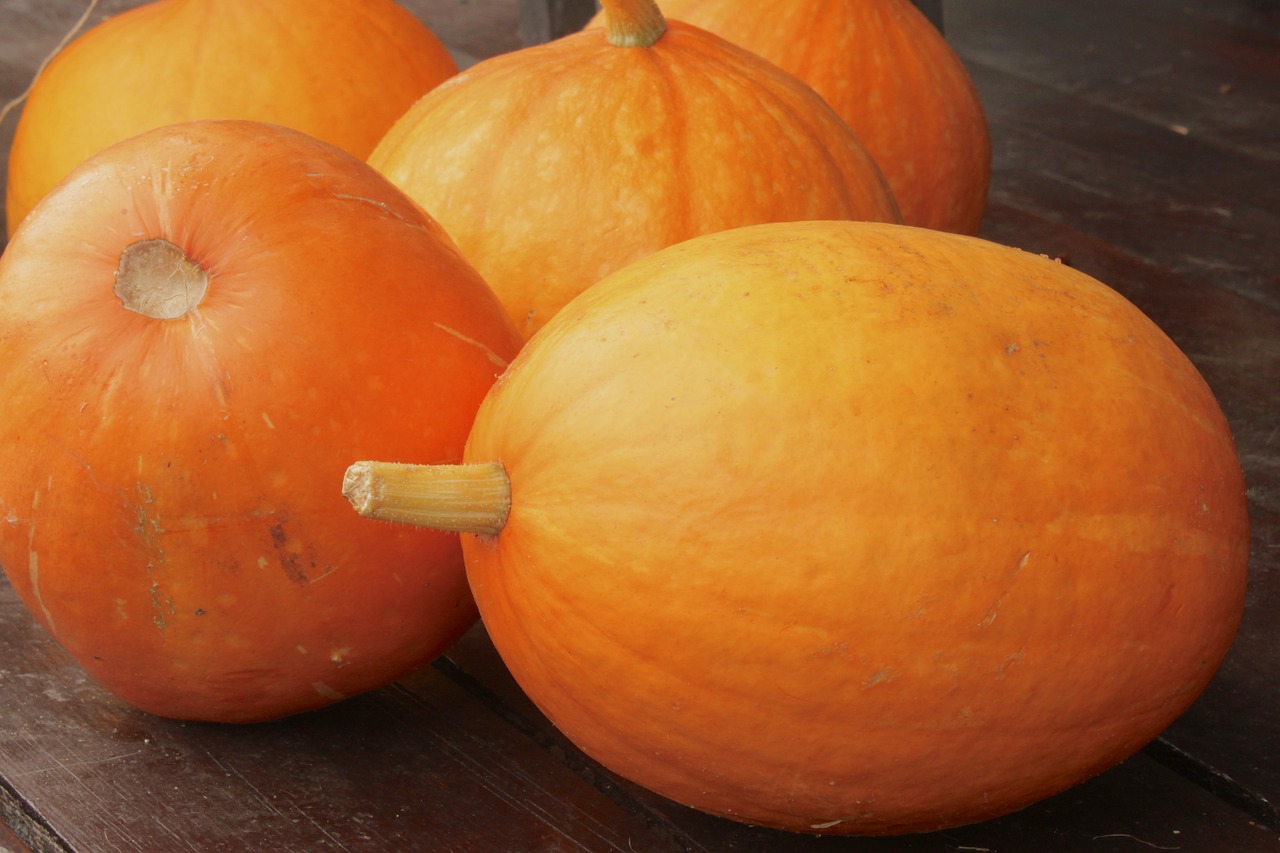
(892, 76)
(557, 164)
(195, 332)
(339, 70)
(851, 528)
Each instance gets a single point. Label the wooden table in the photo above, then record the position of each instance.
(1136, 139)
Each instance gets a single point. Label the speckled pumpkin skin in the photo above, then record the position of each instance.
(169, 486)
(856, 528)
(554, 166)
(892, 76)
(340, 70)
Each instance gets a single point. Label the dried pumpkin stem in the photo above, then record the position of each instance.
(472, 498)
(157, 279)
(633, 23)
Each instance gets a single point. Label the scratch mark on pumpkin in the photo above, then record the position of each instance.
(327, 692)
(1009, 660)
(490, 354)
(33, 559)
(883, 675)
(33, 572)
(994, 610)
(383, 206)
(163, 607)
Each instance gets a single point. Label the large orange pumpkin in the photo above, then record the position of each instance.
(197, 329)
(892, 76)
(852, 528)
(557, 164)
(340, 70)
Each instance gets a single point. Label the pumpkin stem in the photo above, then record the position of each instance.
(157, 279)
(633, 23)
(470, 498)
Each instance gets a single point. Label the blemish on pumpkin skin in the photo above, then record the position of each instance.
(383, 206)
(327, 692)
(33, 573)
(496, 359)
(1009, 661)
(1012, 575)
(295, 566)
(881, 676)
(163, 607)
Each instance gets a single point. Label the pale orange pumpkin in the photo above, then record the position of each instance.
(554, 165)
(195, 332)
(892, 76)
(340, 70)
(850, 527)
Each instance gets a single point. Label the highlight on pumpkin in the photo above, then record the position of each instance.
(168, 61)
(470, 498)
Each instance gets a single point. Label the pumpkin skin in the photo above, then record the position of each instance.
(858, 528)
(554, 165)
(165, 481)
(340, 70)
(892, 76)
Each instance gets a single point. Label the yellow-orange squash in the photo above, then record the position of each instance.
(555, 165)
(853, 528)
(339, 70)
(892, 76)
(193, 328)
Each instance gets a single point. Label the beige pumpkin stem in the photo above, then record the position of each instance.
(470, 498)
(633, 23)
(157, 279)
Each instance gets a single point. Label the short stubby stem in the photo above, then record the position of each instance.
(469, 498)
(155, 278)
(633, 23)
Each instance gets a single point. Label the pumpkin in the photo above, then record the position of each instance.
(196, 330)
(554, 165)
(892, 76)
(849, 527)
(340, 70)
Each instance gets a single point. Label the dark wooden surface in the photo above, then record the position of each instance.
(1138, 140)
